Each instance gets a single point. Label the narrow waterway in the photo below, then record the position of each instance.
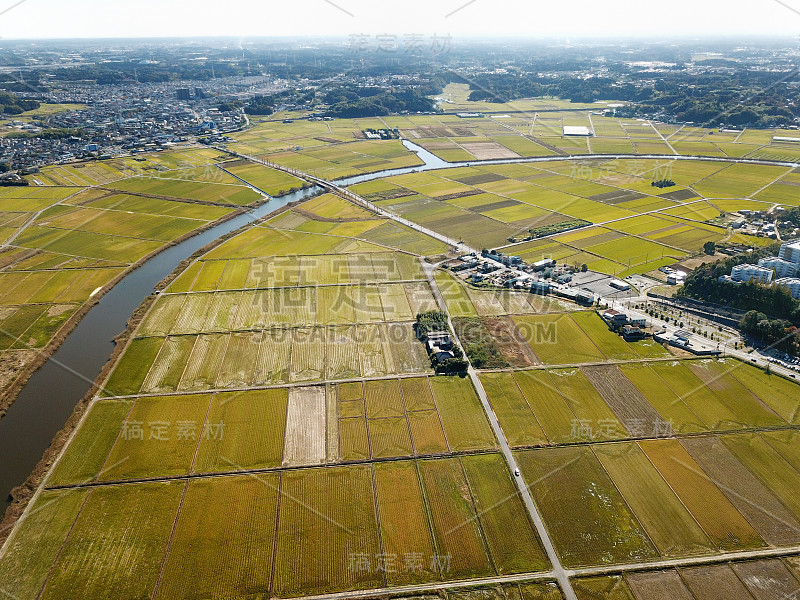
(48, 399)
(50, 396)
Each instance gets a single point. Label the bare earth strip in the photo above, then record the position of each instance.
(627, 402)
(658, 586)
(714, 582)
(305, 427)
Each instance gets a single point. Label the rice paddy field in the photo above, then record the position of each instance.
(660, 457)
(634, 228)
(534, 127)
(274, 429)
(64, 244)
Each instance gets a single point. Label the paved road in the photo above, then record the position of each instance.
(558, 570)
(587, 572)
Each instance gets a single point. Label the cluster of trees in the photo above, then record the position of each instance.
(353, 101)
(260, 105)
(708, 99)
(50, 134)
(779, 333)
(792, 215)
(703, 284)
(663, 183)
(430, 321)
(11, 104)
(561, 227)
(479, 344)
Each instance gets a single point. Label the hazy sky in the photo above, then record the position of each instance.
(534, 18)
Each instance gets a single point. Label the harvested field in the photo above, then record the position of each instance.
(408, 354)
(770, 518)
(714, 582)
(629, 405)
(488, 151)
(658, 585)
(718, 517)
(342, 353)
(768, 579)
(305, 427)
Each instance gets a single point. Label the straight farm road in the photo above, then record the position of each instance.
(558, 571)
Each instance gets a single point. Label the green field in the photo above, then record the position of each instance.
(273, 428)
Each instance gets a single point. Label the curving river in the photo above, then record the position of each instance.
(50, 396)
(48, 399)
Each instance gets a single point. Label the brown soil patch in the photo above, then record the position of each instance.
(714, 582)
(489, 151)
(306, 441)
(658, 585)
(617, 196)
(626, 401)
(768, 579)
(512, 345)
(679, 195)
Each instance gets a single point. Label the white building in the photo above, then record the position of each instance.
(745, 273)
(782, 268)
(577, 130)
(791, 252)
(791, 284)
